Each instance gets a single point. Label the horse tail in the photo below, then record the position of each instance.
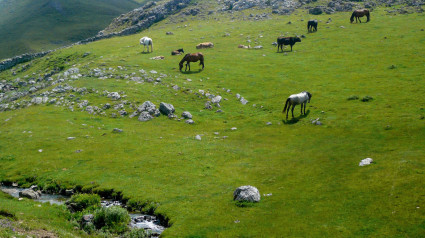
(286, 105)
(201, 59)
(352, 17)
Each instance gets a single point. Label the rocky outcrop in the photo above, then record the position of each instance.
(142, 18)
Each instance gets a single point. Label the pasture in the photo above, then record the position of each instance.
(317, 188)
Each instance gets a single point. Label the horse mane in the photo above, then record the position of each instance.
(184, 58)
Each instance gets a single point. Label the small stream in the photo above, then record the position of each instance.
(138, 220)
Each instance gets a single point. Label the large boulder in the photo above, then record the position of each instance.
(246, 193)
(166, 108)
(29, 193)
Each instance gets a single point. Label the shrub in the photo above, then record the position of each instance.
(113, 219)
(80, 202)
(137, 233)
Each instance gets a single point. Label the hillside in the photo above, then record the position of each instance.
(366, 82)
(34, 26)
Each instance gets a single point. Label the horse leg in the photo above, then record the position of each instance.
(292, 110)
(291, 48)
(287, 111)
(305, 105)
(302, 108)
(360, 20)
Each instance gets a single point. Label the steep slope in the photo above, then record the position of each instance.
(308, 175)
(33, 26)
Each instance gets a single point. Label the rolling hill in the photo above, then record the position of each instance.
(34, 26)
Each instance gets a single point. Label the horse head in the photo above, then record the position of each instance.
(309, 96)
(180, 50)
(297, 39)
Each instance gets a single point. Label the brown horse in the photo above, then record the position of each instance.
(194, 57)
(360, 13)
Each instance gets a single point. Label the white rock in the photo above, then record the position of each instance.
(198, 137)
(366, 161)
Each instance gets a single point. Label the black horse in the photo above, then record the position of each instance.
(177, 52)
(312, 25)
(281, 41)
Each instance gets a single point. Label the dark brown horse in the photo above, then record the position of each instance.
(194, 57)
(360, 13)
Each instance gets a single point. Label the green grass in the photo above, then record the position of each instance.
(318, 189)
(34, 219)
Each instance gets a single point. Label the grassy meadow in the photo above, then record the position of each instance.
(317, 188)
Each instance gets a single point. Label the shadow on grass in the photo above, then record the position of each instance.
(244, 204)
(295, 119)
(285, 51)
(192, 72)
(145, 53)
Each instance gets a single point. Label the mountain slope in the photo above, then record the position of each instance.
(366, 85)
(33, 26)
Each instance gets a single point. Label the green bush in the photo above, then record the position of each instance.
(113, 219)
(80, 202)
(137, 233)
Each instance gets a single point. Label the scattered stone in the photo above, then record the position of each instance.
(243, 101)
(153, 72)
(117, 130)
(169, 33)
(246, 194)
(315, 11)
(198, 137)
(219, 110)
(70, 138)
(186, 115)
(114, 96)
(233, 128)
(316, 122)
(268, 123)
(175, 87)
(366, 161)
(257, 47)
(40, 150)
(190, 121)
(208, 105)
(392, 67)
(216, 99)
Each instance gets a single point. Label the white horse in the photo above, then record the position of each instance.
(146, 41)
(295, 99)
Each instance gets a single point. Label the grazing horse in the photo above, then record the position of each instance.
(360, 13)
(295, 99)
(286, 41)
(177, 52)
(146, 42)
(312, 25)
(194, 57)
